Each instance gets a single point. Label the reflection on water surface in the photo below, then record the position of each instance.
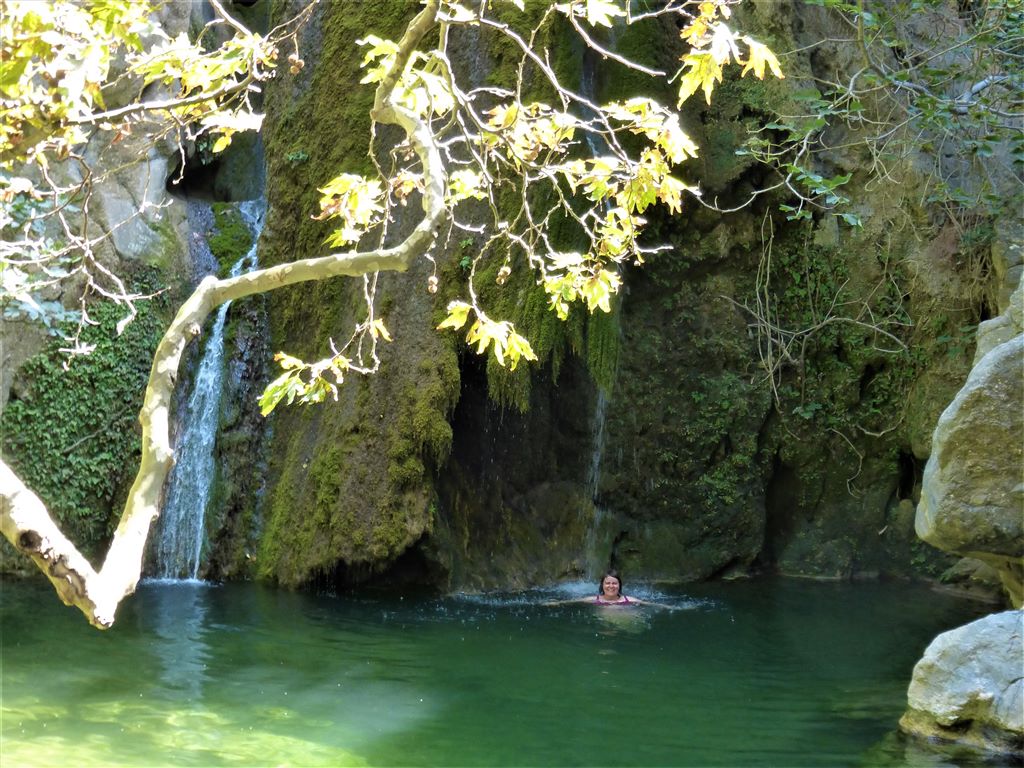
(773, 672)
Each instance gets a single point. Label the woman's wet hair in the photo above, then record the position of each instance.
(615, 575)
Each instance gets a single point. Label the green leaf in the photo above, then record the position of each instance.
(274, 393)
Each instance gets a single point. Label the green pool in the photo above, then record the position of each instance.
(773, 672)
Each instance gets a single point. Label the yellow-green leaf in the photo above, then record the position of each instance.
(458, 313)
(702, 74)
(377, 329)
(759, 57)
(464, 184)
(518, 347)
(601, 12)
(288, 362)
(221, 143)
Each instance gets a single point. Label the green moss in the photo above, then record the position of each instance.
(504, 54)
(322, 115)
(422, 429)
(231, 238)
(603, 348)
(653, 43)
(72, 434)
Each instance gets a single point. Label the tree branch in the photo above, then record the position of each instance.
(24, 519)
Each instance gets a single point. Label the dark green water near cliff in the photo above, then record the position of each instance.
(775, 672)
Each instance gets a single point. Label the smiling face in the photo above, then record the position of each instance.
(610, 587)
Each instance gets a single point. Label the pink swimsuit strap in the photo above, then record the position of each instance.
(599, 601)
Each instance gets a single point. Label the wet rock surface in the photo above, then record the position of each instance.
(969, 686)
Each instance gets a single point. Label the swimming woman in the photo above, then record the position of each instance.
(610, 593)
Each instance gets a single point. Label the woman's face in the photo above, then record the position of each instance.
(610, 586)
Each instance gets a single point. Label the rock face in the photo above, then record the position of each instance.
(969, 687)
(972, 500)
(694, 462)
(973, 492)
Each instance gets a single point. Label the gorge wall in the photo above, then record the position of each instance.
(762, 397)
(656, 439)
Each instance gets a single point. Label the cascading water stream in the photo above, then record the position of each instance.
(597, 146)
(182, 523)
(596, 556)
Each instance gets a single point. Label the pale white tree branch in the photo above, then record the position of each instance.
(24, 519)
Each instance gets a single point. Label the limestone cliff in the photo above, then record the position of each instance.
(665, 440)
(968, 687)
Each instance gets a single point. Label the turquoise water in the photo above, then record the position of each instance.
(774, 672)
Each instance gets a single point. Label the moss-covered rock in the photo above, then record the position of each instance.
(230, 239)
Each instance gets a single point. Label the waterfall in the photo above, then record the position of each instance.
(596, 559)
(594, 471)
(183, 521)
(597, 146)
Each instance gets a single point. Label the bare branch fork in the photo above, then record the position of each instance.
(24, 519)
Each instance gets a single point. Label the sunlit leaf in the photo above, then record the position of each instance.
(518, 347)
(702, 73)
(758, 57)
(464, 184)
(459, 13)
(288, 362)
(458, 313)
(377, 329)
(601, 12)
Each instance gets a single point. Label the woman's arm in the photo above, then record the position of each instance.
(638, 601)
(587, 599)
